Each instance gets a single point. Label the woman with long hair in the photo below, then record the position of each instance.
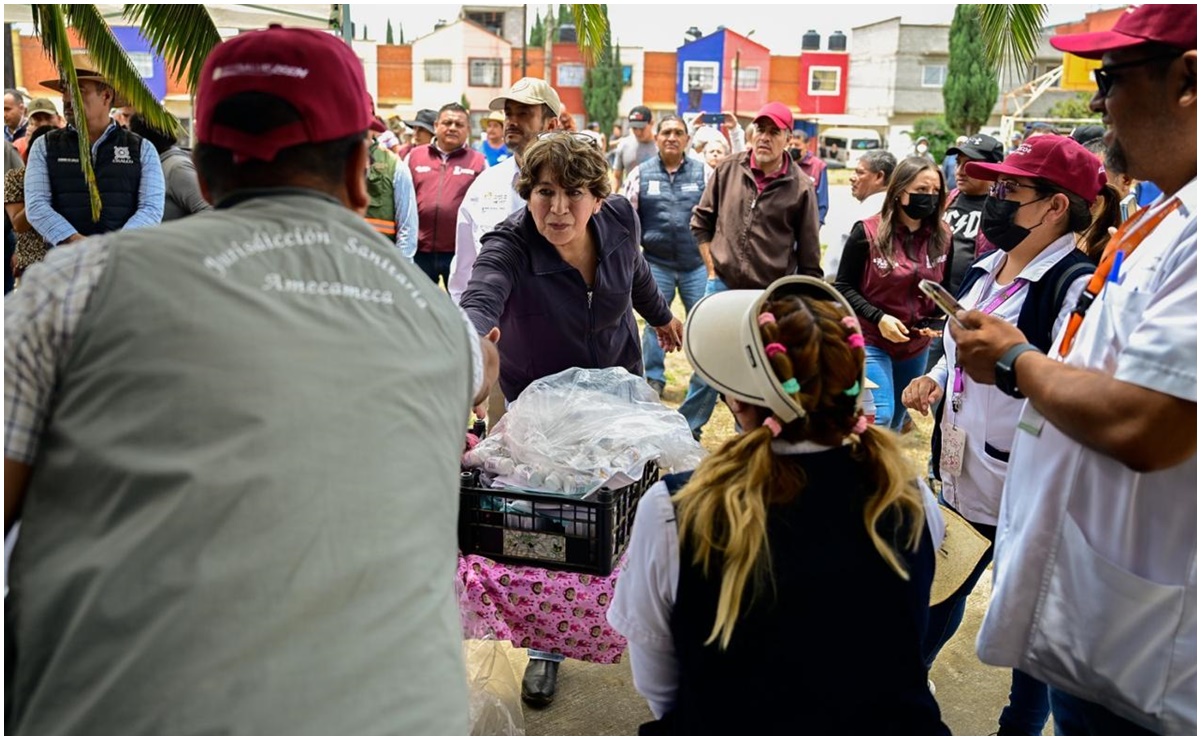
(783, 588)
(1041, 200)
(884, 259)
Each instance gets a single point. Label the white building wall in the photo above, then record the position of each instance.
(366, 52)
(445, 43)
(635, 56)
(478, 43)
(872, 71)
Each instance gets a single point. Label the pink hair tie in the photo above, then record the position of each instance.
(775, 348)
(766, 318)
(851, 323)
(771, 423)
(856, 341)
(860, 425)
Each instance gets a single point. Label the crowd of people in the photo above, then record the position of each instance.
(236, 400)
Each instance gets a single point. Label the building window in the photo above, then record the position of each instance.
(748, 78)
(934, 75)
(825, 80)
(483, 72)
(571, 75)
(494, 22)
(627, 75)
(143, 62)
(437, 70)
(700, 75)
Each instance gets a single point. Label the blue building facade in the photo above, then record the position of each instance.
(699, 63)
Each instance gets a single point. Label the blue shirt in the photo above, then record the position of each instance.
(494, 156)
(55, 229)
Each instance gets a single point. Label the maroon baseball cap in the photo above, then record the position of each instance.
(314, 71)
(1174, 25)
(778, 113)
(1059, 160)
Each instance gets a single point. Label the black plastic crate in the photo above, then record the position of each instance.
(586, 535)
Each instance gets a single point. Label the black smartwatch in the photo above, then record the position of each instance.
(1006, 378)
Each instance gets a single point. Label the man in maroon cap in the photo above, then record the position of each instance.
(756, 223)
(233, 442)
(1096, 556)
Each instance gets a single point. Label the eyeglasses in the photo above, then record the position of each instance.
(1105, 77)
(1002, 188)
(577, 135)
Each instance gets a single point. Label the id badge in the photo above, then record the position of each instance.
(954, 440)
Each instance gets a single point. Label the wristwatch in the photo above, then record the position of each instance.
(1006, 379)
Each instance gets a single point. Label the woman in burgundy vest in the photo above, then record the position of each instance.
(885, 258)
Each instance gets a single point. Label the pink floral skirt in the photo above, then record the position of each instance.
(555, 611)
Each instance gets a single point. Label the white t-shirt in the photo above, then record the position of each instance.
(491, 199)
(1096, 565)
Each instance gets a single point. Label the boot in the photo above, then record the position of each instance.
(538, 684)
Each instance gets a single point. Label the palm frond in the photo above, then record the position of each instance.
(1011, 34)
(181, 34)
(116, 66)
(592, 30)
(50, 25)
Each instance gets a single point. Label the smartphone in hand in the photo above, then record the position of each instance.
(715, 119)
(943, 299)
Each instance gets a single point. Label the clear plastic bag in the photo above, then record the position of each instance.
(493, 684)
(576, 431)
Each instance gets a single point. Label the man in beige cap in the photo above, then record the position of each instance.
(128, 172)
(530, 107)
(493, 145)
(41, 113)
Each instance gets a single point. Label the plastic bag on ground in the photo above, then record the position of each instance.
(578, 430)
(493, 684)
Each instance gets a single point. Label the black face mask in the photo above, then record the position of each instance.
(920, 205)
(996, 221)
(795, 153)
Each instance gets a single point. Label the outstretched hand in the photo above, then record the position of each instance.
(671, 335)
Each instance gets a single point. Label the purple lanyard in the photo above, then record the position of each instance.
(997, 301)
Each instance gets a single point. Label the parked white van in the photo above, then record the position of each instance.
(842, 147)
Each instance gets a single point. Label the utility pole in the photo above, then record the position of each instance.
(525, 36)
(347, 31)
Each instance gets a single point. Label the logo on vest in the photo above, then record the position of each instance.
(422, 168)
(121, 155)
(463, 171)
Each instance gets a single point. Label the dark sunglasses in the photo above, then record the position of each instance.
(1105, 77)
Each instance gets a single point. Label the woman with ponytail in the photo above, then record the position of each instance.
(782, 587)
(1038, 206)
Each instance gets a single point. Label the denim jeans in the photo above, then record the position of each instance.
(698, 404)
(1075, 716)
(539, 655)
(691, 285)
(1029, 704)
(435, 265)
(892, 376)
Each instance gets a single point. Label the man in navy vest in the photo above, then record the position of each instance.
(128, 172)
(664, 190)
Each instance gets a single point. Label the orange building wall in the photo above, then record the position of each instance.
(1078, 71)
(535, 63)
(37, 66)
(784, 83)
(571, 97)
(659, 79)
(394, 65)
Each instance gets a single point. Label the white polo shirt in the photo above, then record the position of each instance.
(1096, 566)
(988, 416)
(491, 199)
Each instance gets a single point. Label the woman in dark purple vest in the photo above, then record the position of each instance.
(885, 258)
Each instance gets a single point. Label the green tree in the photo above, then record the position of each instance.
(537, 32)
(970, 91)
(1011, 33)
(602, 82)
(1076, 107)
(388, 38)
(182, 34)
(936, 131)
(566, 16)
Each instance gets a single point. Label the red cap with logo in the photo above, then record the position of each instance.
(1174, 25)
(1059, 160)
(314, 71)
(778, 113)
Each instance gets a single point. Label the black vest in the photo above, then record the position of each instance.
(118, 167)
(834, 648)
(665, 208)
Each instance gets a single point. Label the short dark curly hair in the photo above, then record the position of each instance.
(567, 160)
